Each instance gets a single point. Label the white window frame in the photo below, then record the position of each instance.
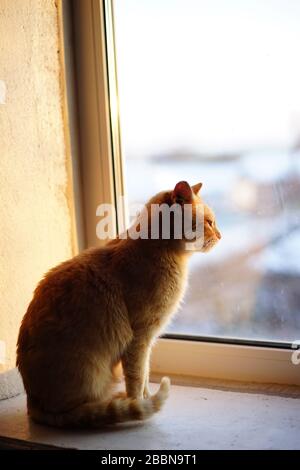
(102, 182)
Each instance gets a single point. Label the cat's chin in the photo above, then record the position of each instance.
(201, 247)
(208, 246)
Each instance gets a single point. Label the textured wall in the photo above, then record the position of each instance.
(34, 213)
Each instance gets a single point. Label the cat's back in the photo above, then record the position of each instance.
(70, 297)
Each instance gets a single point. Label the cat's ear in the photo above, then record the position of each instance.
(196, 188)
(182, 193)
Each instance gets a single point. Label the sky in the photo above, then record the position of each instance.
(207, 75)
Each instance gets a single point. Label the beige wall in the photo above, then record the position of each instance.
(35, 226)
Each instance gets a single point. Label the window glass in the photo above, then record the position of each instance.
(209, 91)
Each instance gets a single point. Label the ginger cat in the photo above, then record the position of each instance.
(104, 306)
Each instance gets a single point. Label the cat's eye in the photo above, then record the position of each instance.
(210, 223)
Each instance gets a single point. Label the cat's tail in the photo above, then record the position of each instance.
(96, 414)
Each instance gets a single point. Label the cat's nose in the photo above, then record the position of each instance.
(218, 234)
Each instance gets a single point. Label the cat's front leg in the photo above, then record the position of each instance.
(146, 391)
(136, 368)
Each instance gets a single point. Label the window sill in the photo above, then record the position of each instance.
(225, 362)
(193, 418)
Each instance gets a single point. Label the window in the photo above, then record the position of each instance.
(203, 97)
(209, 90)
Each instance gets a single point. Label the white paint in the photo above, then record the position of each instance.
(2, 92)
(2, 352)
(10, 384)
(192, 418)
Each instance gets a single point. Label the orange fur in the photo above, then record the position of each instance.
(104, 305)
